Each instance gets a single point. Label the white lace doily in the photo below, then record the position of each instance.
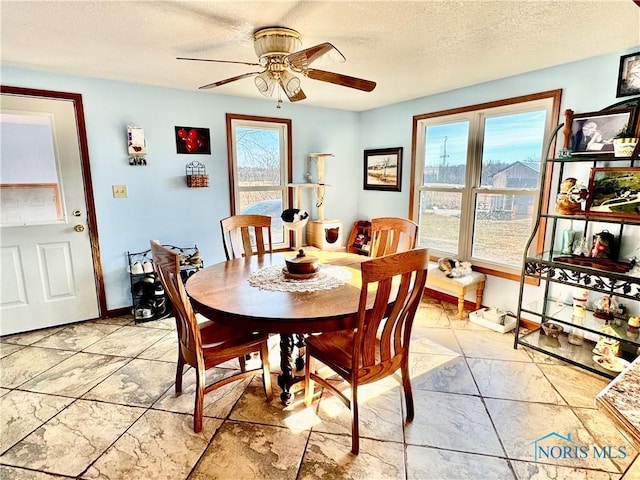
(272, 278)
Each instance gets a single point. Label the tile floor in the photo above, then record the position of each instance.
(95, 401)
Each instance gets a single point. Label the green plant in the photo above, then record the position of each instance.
(625, 132)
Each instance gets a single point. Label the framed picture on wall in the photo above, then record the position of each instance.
(193, 140)
(629, 75)
(383, 169)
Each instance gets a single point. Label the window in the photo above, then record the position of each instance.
(475, 182)
(260, 169)
(29, 176)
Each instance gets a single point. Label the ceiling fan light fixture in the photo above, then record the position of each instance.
(265, 83)
(290, 83)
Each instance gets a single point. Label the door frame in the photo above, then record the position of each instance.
(92, 224)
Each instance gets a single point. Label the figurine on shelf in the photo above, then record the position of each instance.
(605, 308)
(633, 326)
(604, 246)
(620, 316)
(607, 346)
(634, 269)
(564, 153)
(570, 197)
(581, 247)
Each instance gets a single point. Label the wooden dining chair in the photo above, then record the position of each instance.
(244, 235)
(392, 235)
(380, 344)
(205, 345)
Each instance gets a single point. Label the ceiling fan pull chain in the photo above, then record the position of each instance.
(279, 105)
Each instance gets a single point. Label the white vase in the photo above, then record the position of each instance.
(624, 147)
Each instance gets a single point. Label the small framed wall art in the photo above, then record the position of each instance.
(629, 75)
(383, 169)
(193, 140)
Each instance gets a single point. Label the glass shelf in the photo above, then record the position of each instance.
(549, 258)
(580, 355)
(593, 217)
(562, 313)
(592, 158)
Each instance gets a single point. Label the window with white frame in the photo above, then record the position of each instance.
(475, 182)
(260, 164)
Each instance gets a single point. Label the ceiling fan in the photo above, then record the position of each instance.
(276, 48)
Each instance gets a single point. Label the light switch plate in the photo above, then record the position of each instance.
(119, 191)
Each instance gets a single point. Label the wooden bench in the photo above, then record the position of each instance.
(459, 286)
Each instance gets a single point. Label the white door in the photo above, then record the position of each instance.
(46, 258)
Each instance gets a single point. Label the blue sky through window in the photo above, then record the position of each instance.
(507, 139)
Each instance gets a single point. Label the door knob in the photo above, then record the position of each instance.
(79, 228)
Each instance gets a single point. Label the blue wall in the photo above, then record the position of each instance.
(161, 207)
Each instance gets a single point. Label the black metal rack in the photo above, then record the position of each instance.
(549, 267)
(149, 301)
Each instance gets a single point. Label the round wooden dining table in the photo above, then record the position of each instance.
(227, 293)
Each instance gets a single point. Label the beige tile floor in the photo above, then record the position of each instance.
(96, 401)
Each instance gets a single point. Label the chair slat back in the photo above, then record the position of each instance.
(246, 235)
(383, 333)
(167, 265)
(392, 235)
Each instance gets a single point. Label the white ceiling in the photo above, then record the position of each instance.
(411, 49)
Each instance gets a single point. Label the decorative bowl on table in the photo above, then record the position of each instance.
(552, 329)
(301, 266)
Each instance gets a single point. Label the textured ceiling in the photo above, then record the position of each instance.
(411, 49)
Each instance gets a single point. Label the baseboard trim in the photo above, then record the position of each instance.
(438, 295)
(442, 296)
(117, 312)
(529, 324)
(471, 306)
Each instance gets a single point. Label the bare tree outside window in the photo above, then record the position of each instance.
(260, 162)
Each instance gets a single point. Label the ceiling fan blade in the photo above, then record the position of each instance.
(217, 61)
(297, 97)
(228, 80)
(339, 79)
(325, 51)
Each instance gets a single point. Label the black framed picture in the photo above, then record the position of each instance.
(193, 140)
(629, 75)
(383, 169)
